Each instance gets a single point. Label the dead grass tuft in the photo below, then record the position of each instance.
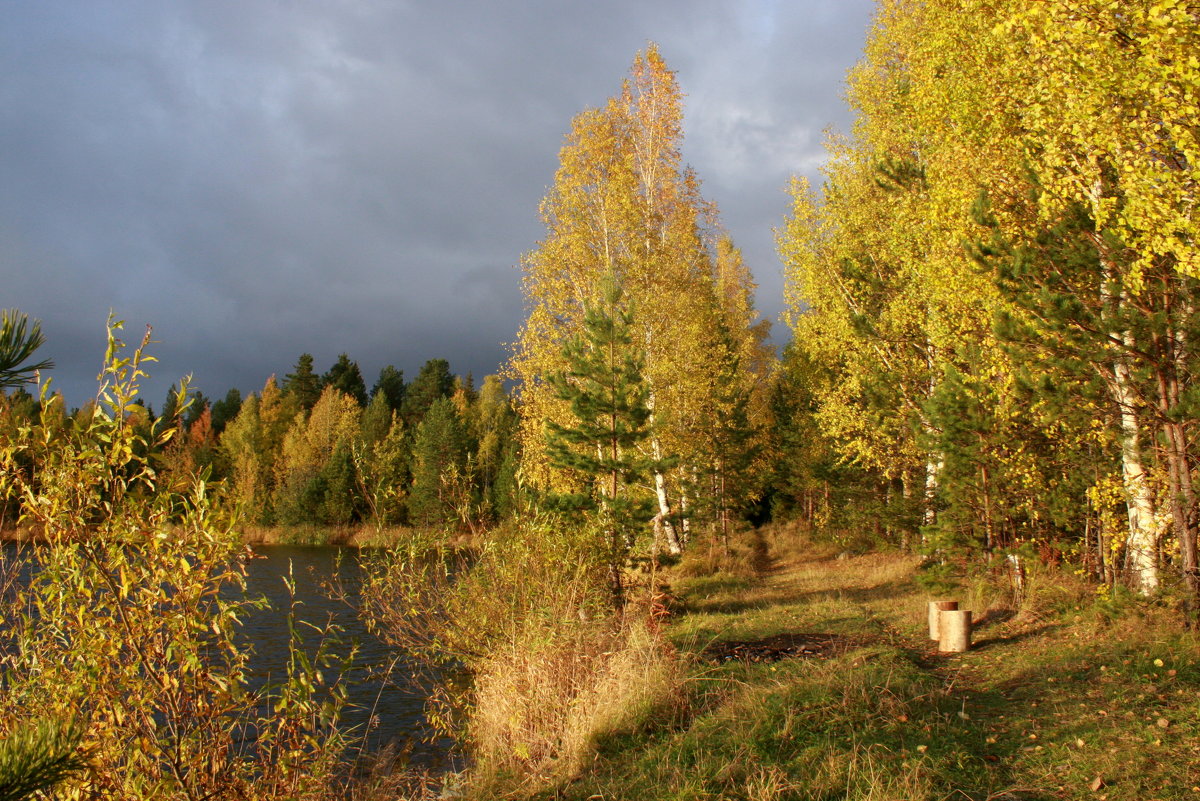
(746, 559)
(542, 702)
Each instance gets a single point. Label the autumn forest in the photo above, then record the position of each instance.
(991, 342)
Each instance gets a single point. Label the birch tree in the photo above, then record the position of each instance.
(623, 203)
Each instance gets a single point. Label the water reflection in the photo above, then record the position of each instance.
(384, 702)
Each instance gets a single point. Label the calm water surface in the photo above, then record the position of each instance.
(385, 704)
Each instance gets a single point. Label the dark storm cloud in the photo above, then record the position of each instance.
(263, 178)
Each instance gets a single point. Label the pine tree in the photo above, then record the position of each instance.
(730, 436)
(434, 381)
(170, 409)
(18, 342)
(391, 383)
(494, 425)
(440, 454)
(624, 203)
(604, 385)
(339, 504)
(303, 384)
(198, 405)
(1087, 323)
(226, 409)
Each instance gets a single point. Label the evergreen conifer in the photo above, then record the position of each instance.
(608, 395)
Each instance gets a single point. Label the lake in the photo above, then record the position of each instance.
(384, 704)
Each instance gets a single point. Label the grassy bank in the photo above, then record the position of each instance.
(1068, 696)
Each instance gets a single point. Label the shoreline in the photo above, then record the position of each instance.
(311, 536)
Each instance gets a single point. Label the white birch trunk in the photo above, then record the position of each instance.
(933, 469)
(685, 521)
(664, 531)
(934, 460)
(662, 521)
(1142, 542)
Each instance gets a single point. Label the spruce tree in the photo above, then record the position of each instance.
(730, 437)
(1090, 327)
(439, 457)
(608, 395)
(391, 383)
(195, 409)
(345, 377)
(434, 381)
(494, 424)
(170, 408)
(226, 409)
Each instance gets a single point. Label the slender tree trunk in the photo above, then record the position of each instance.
(725, 517)
(1142, 543)
(933, 469)
(1182, 497)
(662, 521)
(685, 520)
(988, 527)
(933, 460)
(664, 531)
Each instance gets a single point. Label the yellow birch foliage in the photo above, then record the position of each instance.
(879, 283)
(623, 203)
(1110, 90)
(1095, 99)
(311, 441)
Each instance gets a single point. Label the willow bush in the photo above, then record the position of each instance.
(128, 620)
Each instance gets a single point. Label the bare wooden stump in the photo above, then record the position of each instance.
(954, 628)
(934, 608)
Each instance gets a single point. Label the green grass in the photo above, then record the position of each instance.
(1055, 694)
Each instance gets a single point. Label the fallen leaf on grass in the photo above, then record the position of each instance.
(1096, 784)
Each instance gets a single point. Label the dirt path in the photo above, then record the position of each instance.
(1060, 699)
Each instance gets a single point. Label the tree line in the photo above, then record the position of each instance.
(319, 449)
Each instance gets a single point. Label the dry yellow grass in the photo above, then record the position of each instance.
(542, 703)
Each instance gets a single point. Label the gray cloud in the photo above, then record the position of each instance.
(265, 178)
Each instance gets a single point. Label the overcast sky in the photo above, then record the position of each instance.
(261, 178)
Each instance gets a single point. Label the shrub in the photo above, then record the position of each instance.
(531, 665)
(129, 619)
